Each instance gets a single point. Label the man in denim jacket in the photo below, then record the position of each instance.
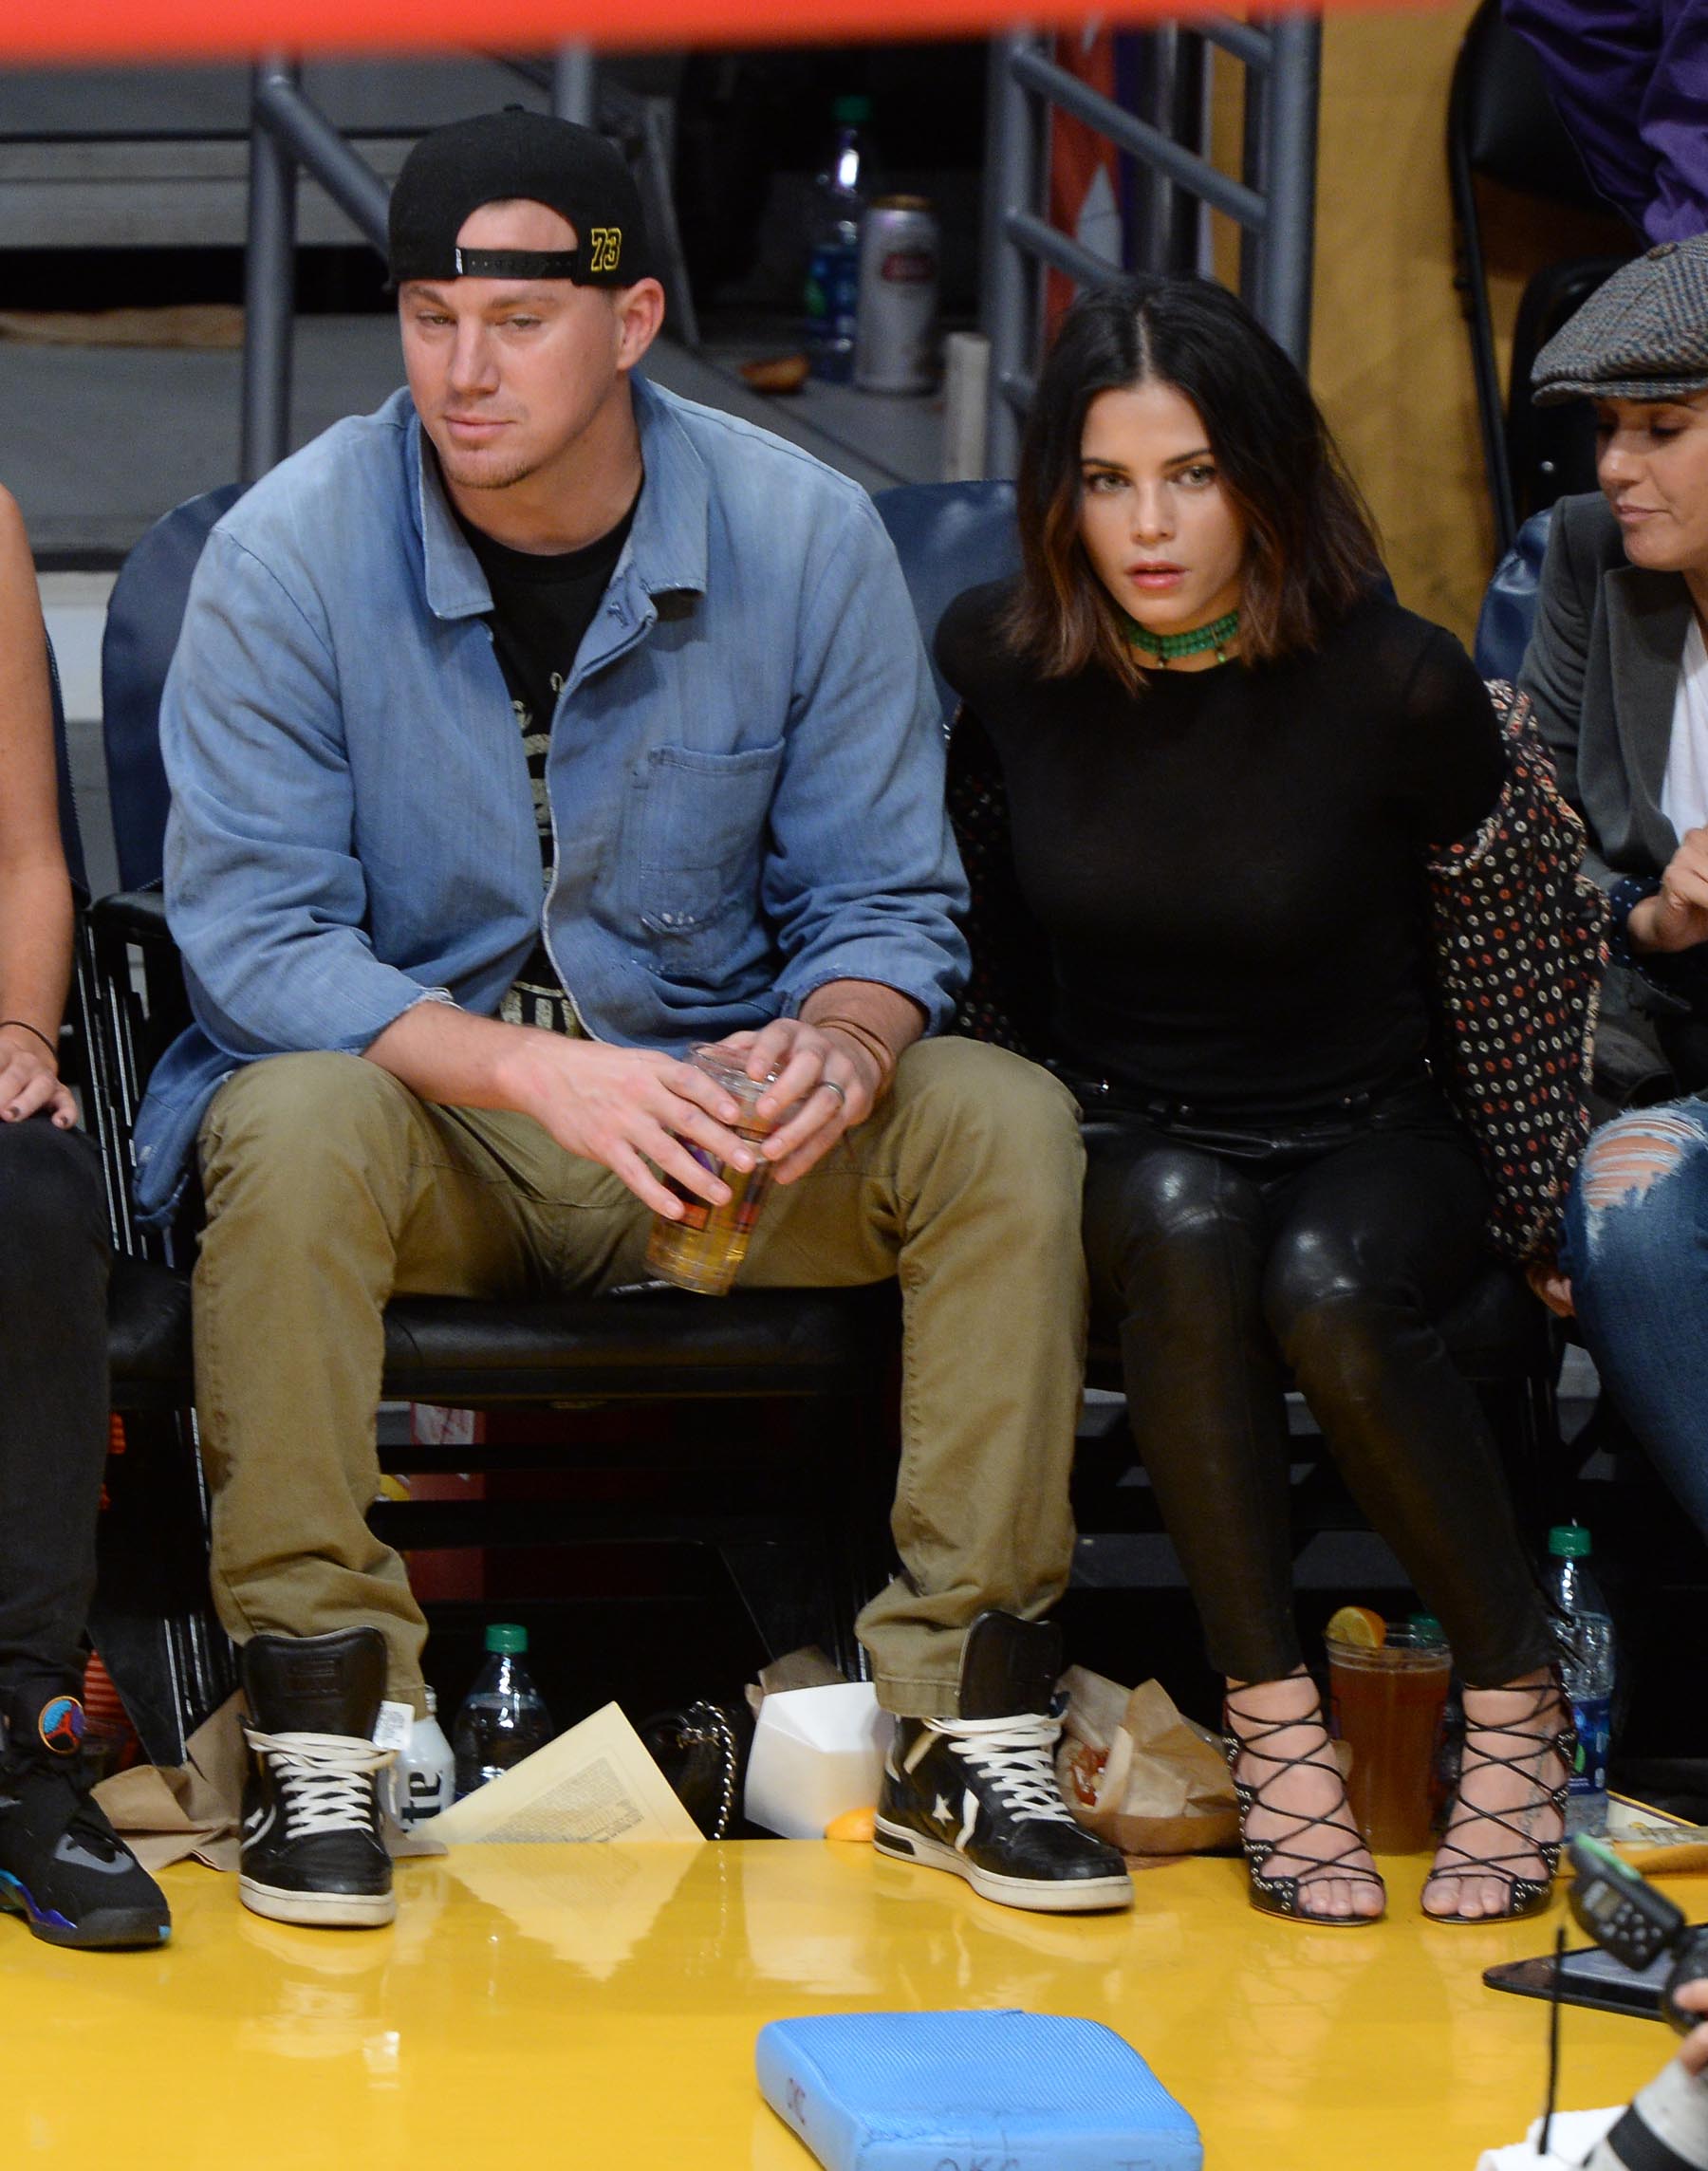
(535, 620)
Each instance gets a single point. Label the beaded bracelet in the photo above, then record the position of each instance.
(24, 1025)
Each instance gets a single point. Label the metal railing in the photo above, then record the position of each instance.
(1273, 201)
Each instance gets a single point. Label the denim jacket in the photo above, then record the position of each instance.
(746, 773)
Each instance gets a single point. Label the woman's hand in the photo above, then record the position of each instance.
(1677, 919)
(29, 1080)
(1552, 1286)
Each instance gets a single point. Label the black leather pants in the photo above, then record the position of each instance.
(53, 1404)
(1228, 1258)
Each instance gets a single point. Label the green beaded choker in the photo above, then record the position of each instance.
(1163, 647)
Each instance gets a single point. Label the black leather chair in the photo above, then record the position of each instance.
(951, 536)
(801, 1506)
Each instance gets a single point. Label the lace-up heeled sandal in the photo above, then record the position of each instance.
(1285, 1895)
(1526, 1748)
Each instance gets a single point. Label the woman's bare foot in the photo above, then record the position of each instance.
(1298, 1810)
(1504, 1812)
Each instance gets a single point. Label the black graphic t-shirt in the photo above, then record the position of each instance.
(542, 607)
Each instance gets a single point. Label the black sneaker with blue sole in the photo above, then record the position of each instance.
(62, 1866)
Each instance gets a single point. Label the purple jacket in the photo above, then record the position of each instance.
(1630, 80)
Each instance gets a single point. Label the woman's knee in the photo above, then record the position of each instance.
(1641, 1195)
(1323, 1295)
(1164, 1211)
(51, 1189)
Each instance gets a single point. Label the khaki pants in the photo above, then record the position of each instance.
(330, 1187)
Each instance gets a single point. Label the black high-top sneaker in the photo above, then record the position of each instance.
(977, 1794)
(312, 1846)
(61, 1865)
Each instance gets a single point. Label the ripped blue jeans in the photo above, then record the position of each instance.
(1636, 1252)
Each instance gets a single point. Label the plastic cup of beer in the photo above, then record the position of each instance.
(1386, 1703)
(703, 1251)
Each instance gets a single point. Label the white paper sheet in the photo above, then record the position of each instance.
(596, 1782)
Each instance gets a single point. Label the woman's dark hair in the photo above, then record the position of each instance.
(1311, 551)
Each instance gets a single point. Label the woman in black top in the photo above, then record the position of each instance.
(1227, 760)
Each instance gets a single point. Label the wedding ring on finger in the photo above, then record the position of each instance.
(830, 1086)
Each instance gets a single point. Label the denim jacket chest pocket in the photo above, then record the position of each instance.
(698, 829)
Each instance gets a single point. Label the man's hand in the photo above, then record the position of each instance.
(625, 1107)
(29, 1081)
(619, 1106)
(828, 1078)
(1677, 919)
(832, 1064)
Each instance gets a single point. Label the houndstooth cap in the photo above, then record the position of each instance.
(1642, 336)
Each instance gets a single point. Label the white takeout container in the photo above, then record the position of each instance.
(816, 1754)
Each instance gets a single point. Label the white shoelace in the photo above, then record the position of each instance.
(1017, 1753)
(324, 1780)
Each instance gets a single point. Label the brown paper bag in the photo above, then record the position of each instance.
(1138, 1773)
(169, 1812)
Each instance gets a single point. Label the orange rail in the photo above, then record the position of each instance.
(138, 29)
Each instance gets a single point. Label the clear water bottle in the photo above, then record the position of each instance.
(833, 264)
(504, 1717)
(423, 1780)
(1587, 1659)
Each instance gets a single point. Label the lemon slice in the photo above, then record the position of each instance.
(1359, 1626)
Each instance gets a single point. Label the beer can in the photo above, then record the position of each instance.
(894, 328)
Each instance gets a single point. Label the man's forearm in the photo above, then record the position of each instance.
(874, 1017)
(450, 1056)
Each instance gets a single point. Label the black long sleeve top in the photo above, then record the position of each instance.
(1228, 866)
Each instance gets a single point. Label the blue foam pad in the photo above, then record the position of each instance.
(1003, 2090)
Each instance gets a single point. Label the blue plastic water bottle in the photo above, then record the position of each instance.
(833, 267)
(1587, 1664)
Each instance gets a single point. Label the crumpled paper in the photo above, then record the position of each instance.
(1138, 1773)
(1570, 2137)
(173, 1812)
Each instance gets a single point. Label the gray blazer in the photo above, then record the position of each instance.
(1602, 672)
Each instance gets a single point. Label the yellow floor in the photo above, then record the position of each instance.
(594, 2005)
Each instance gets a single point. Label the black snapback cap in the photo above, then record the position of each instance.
(497, 156)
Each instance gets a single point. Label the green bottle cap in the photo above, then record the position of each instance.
(1427, 1628)
(506, 1636)
(852, 112)
(1570, 1541)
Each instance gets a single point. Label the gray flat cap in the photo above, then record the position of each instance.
(1642, 336)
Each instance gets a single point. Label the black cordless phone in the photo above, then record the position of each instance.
(1630, 1917)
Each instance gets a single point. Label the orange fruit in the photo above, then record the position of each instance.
(1359, 1626)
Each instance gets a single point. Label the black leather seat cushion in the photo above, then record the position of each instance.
(648, 1343)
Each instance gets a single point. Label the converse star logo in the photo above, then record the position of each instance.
(939, 1809)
